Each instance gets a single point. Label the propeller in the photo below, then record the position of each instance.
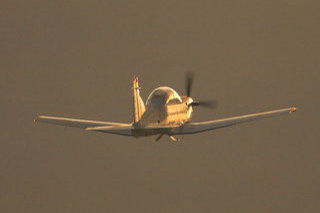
(211, 104)
(207, 104)
(189, 82)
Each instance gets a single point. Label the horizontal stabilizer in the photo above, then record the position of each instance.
(118, 130)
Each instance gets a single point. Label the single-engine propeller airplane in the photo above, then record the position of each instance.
(165, 113)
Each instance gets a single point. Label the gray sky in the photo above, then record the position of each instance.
(78, 58)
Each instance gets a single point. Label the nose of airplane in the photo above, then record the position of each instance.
(189, 100)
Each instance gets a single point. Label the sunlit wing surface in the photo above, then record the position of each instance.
(196, 127)
(77, 123)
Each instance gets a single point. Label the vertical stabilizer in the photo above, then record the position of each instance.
(138, 105)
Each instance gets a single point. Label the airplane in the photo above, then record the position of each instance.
(164, 113)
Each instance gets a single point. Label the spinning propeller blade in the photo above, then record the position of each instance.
(206, 103)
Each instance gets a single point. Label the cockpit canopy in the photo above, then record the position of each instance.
(163, 95)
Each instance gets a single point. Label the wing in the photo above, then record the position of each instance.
(78, 123)
(191, 128)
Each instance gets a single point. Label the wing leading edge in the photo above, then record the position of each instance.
(196, 127)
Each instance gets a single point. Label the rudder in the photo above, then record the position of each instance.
(138, 104)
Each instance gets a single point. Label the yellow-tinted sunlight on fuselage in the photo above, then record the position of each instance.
(165, 106)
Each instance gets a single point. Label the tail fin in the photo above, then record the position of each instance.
(138, 105)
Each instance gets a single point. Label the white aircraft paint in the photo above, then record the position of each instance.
(165, 113)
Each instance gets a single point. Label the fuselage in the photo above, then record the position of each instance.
(165, 106)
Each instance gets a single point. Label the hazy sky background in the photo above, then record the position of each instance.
(78, 58)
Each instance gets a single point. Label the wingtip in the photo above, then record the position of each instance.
(293, 109)
(35, 120)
